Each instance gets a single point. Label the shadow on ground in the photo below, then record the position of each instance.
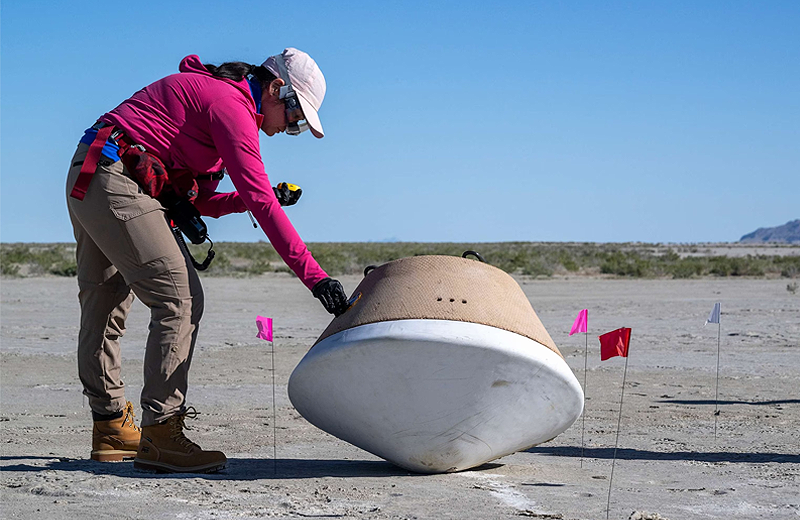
(633, 454)
(711, 401)
(237, 469)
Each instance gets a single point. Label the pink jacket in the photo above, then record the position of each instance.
(195, 121)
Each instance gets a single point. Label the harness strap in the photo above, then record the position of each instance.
(90, 163)
(212, 176)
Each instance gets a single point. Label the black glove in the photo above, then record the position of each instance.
(332, 296)
(286, 196)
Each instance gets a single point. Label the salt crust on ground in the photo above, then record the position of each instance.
(668, 463)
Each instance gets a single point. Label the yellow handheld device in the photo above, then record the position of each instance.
(292, 187)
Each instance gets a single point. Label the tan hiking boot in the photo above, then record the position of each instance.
(117, 439)
(165, 448)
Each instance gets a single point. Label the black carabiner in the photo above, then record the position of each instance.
(368, 269)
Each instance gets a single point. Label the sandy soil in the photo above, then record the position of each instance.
(668, 462)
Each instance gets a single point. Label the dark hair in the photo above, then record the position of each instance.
(238, 70)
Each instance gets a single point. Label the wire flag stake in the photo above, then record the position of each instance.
(583, 418)
(265, 332)
(616, 343)
(616, 442)
(274, 415)
(714, 317)
(716, 386)
(582, 325)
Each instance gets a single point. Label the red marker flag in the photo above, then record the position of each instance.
(615, 343)
(264, 328)
(580, 322)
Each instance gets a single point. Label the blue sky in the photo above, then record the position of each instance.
(447, 121)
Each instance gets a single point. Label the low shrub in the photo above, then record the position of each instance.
(541, 259)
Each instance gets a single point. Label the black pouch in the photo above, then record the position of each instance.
(185, 217)
(185, 220)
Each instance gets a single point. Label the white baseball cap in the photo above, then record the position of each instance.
(303, 75)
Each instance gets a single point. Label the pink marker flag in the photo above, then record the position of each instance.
(264, 328)
(580, 322)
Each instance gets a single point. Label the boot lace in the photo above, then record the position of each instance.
(178, 424)
(129, 415)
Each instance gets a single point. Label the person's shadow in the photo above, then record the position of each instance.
(237, 469)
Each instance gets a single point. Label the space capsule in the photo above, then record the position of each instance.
(440, 364)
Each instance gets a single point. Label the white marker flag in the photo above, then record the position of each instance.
(714, 316)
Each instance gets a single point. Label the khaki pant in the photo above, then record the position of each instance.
(126, 248)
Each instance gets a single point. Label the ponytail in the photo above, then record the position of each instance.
(238, 70)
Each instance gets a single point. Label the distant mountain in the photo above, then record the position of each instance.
(788, 233)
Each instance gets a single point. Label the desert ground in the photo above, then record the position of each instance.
(668, 464)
